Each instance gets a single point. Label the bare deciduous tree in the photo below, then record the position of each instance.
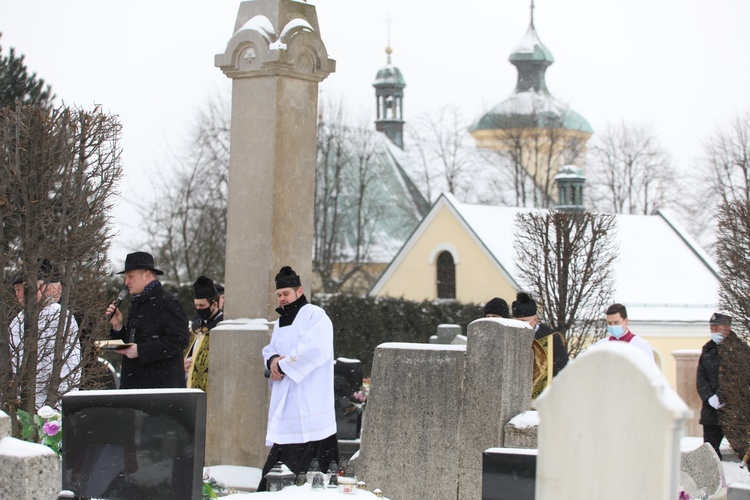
(186, 223)
(629, 172)
(565, 259)
(442, 156)
(345, 209)
(59, 169)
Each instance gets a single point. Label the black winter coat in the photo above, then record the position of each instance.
(707, 382)
(159, 325)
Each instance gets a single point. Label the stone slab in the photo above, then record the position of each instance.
(521, 431)
(5, 426)
(613, 400)
(409, 438)
(738, 491)
(497, 386)
(28, 470)
(508, 474)
(704, 468)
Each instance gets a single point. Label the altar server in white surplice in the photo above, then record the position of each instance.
(301, 418)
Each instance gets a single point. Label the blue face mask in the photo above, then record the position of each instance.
(615, 330)
(718, 338)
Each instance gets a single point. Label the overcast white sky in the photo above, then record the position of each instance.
(682, 66)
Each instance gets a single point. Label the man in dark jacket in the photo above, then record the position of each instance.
(157, 328)
(707, 380)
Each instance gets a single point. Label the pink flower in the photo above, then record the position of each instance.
(51, 428)
(359, 396)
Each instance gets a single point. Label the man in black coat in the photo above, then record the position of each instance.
(707, 380)
(157, 327)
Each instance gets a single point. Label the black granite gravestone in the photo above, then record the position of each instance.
(134, 444)
(508, 474)
(347, 379)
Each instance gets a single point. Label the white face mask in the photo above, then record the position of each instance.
(615, 330)
(718, 338)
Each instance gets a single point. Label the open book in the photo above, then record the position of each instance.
(111, 344)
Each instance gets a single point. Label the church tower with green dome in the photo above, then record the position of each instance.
(389, 93)
(531, 126)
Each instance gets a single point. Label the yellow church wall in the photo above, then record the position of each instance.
(478, 278)
(664, 346)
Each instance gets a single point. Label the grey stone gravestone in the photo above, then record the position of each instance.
(134, 444)
(704, 468)
(738, 491)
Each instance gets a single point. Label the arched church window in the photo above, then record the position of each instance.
(446, 276)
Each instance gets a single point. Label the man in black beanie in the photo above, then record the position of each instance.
(301, 418)
(524, 309)
(496, 308)
(208, 314)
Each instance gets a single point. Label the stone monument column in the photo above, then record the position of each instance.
(276, 59)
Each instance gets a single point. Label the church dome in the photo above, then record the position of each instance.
(389, 75)
(531, 106)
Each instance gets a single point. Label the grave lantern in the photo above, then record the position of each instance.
(279, 477)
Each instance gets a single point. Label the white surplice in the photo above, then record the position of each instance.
(302, 403)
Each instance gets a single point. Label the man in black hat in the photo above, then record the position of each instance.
(301, 418)
(524, 309)
(707, 378)
(207, 316)
(157, 329)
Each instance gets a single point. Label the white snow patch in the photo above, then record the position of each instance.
(515, 451)
(12, 447)
(422, 347)
(525, 420)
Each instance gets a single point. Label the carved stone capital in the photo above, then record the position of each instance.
(276, 38)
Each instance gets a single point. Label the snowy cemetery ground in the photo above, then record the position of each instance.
(247, 478)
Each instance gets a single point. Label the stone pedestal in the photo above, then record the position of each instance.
(686, 367)
(497, 387)
(238, 395)
(275, 59)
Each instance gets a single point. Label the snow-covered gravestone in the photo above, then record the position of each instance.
(610, 427)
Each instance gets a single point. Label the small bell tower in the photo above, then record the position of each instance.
(570, 181)
(389, 94)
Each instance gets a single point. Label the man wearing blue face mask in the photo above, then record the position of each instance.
(707, 379)
(617, 327)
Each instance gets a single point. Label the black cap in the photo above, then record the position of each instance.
(140, 260)
(720, 319)
(287, 278)
(524, 306)
(204, 288)
(497, 306)
(47, 272)
(219, 288)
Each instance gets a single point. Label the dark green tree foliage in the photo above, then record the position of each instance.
(58, 172)
(361, 324)
(17, 84)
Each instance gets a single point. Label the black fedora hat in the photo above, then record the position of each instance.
(139, 260)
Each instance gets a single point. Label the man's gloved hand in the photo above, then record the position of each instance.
(715, 403)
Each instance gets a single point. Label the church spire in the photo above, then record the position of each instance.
(531, 58)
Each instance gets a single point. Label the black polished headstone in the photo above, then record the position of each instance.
(134, 444)
(508, 474)
(347, 379)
